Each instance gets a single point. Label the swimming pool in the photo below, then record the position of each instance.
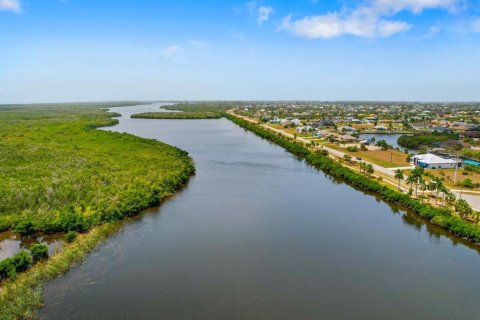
(471, 162)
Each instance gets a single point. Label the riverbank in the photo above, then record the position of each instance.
(63, 176)
(438, 216)
(21, 297)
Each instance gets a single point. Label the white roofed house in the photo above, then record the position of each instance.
(304, 129)
(432, 161)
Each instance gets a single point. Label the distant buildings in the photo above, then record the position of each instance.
(323, 123)
(347, 129)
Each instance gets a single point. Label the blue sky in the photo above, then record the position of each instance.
(91, 50)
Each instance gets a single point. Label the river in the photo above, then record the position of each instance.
(258, 234)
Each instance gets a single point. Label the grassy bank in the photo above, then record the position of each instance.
(21, 297)
(178, 115)
(438, 216)
(60, 174)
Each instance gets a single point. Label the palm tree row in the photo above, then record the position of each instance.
(416, 179)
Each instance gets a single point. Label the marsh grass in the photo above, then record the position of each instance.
(21, 296)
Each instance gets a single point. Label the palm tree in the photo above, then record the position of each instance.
(477, 217)
(363, 166)
(399, 176)
(369, 169)
(463, 208)
(423, 185)
(450, 197)
(416, 175)
(411, 179)
(437, 186)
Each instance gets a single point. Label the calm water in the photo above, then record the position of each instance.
(390, 138)
(257, 234)
(11, 243)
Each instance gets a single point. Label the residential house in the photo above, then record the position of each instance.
(432, 161)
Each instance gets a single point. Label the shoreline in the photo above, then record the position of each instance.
(440, 217)
(22, 296)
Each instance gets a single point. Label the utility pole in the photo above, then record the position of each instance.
(456, 169)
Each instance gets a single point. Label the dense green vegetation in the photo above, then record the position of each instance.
(199, 110)
(425, 139)
(60, 174)
(215, 107)
(178, 115)
(19, 262)
(472, 154)
(438, 216)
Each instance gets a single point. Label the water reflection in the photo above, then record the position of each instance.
(274, 239)
(12, 242)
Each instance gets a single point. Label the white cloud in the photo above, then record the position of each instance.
(361, 23)
(475, 25)
(254, 8)
(263, 14)
(415, 6)
(198, 43)
(171, 51)
(370, 20)
(433, 30)
(10, 5)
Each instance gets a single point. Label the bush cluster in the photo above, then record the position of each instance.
(22, 260)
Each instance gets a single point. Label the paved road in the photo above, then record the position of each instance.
(473, 200)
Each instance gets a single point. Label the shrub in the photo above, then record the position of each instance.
(25, 227)
(19, 262)
(468, 183)
(352, 148)
(39, 251)
(22, 260)
(70, 236)
(383, 144)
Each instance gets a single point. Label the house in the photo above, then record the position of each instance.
(381, 128)
(419, 126)
(347, 129)
(472, 134)
(439, 129)
(452, 144)
(345, 138)
(275, 120)
(304, 129)
(432, 161)
(324, 123)
(295, 121)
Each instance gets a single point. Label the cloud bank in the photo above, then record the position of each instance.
(372, 19)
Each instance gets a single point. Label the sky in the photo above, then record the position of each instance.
(103, 50)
